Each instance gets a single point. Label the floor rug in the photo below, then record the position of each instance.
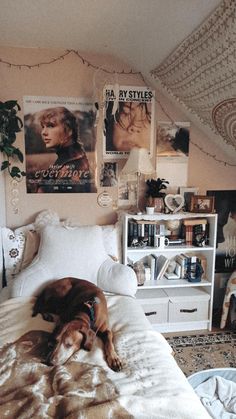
(195, 353)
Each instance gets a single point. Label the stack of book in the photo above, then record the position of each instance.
(195, 231)
(139, 229)
(193, 268)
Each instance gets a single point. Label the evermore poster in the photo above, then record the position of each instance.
(60, 141)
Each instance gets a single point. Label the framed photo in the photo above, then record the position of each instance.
(202, 203)
(187, 193)
(127, 190)
(108, 175)
(225, 207)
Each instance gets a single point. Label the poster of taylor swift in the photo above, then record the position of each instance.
(225, 207)
(129, 120)
(59, 145)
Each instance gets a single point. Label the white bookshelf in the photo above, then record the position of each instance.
(178, 285)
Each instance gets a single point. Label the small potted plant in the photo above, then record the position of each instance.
(10, 124)
(155, 193)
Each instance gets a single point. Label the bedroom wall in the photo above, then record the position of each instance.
(70, 77)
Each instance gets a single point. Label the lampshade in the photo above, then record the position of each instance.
(138, 162)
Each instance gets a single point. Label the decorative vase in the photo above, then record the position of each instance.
(150, 210)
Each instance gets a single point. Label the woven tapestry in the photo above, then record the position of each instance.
(201, 72)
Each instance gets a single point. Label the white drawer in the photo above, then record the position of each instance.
(188, 305)
(154, 305)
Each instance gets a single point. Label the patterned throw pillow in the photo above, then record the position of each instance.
(13, 245)
(13, 248)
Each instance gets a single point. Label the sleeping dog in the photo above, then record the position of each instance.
(82, 310)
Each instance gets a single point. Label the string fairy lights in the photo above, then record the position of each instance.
(111, 72)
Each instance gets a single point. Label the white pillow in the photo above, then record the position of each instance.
(112, 241)
(117, 278)
(111, 237)
(63, 251)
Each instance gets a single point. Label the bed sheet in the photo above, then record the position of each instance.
(150, 384)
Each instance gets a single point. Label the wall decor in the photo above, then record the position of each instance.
(173, 139)
(104, 200)
(111, 72)
(60, 143)
(109, 174)
(199, 73)
(174, 202)
(225, 206)
(187, 194)
(202, 203)
(127, 190)
(129, 120)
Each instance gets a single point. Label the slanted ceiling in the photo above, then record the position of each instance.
(201, 72)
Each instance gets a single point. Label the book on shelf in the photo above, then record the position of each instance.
(139, 229)
(162, 264)
(188, 235)
(182, 261)
(151, 263)
(193, 230)
(193, 267)
(200, 233)
(147, 272)
(194, 221)
(158, 266)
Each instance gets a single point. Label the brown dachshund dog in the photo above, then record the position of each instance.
(82, 310)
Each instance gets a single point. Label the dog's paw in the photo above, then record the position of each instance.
(114, 362)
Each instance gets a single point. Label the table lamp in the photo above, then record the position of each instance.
(138, 163)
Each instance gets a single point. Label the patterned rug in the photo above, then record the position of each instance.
(195, 353)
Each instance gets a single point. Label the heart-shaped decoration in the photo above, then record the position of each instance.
(174, 202)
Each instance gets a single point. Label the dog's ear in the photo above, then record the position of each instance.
(38, 305)
(89, 338)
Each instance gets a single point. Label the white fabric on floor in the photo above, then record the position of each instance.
(218, 395)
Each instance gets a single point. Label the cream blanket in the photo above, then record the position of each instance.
(150, 385)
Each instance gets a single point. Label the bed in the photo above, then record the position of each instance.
(150, 384)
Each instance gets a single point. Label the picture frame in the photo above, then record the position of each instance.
(109, 174)
(173, 139)
(187, 193)
(202, 204)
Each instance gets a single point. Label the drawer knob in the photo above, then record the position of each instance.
(150, 313)
(185, 310)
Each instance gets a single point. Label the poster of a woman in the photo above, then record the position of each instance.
(128, 120)
(60, 145)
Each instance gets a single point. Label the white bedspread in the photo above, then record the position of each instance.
(218, 395)
(150, 385)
